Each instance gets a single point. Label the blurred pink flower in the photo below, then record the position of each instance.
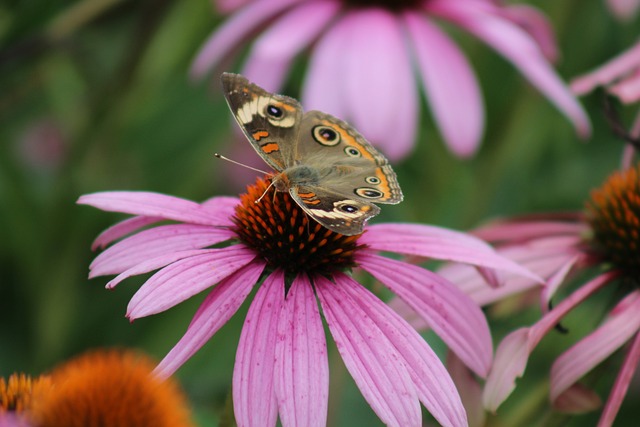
(364, 55)
(624, 10)
(281, 363)
(606, 241)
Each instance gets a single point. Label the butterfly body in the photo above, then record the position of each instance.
(326, 166)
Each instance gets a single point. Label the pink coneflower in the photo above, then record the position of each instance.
(281, 364)
(364, 55)
(606, 241)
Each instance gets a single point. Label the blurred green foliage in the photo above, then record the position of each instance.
(95, 95)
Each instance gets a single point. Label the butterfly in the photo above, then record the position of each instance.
(328, 168)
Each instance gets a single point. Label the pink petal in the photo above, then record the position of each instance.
(555, 280)
(629, 366)
(378, 82)
(158, 241)
(154, 264)
(152, 205)
(272, 53)
(542, 262)
(609, 72)
(227, 6)
(453, 316)
(451, 86)
(438, 243)
(254, 398)
(222, 302)
(573, 364)
(224, 39)
(373, 362)
(534, 22)
(577, 399)
(624, 10)
(518, 47)
(322, 88)
(433, 384)
(628, 90)
(514, 350)
(185, 278)
(121, 229)
(469, 389)
(518, 230)
(301, 372)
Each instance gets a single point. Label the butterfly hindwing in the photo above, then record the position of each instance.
(335, 211)
(359, 169)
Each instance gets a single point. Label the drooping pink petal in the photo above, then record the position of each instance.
(301, 372)
(620, 387)
(438, 243)
(373, 362)
(451, 86)
(254, 398)
(608, 73)
(223, 208)
(272, 53)
(222, 302)
(381, 94)
(435, 388)
(469, 389)
(452, 315)
(514, 350)
(157, 241)
(527, 228)
(152, 205)
(534, 22)
(121, 229)
(541, 261)
(518, 47)
(622, 324)
(554, 282)
(628, 89)
(185, 278)
(235, 29)
(577, 399)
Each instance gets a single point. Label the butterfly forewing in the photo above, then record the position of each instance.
(270, 122)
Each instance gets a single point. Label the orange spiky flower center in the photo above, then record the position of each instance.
(614, 215)
(109, 389)
(285, 236)
(17, 393)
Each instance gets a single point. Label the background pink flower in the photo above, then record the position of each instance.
(362, 66)
(604, 242)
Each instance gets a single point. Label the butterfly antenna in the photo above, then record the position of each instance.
(219, 156)
(265, 192)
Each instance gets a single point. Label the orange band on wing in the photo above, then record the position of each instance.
(270, 147)
(260, 134)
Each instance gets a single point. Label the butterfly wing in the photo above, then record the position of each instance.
(334, 210)
(269, 121)
(349, 165)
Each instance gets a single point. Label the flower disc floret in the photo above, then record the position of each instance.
(279, 230)
(614, 215)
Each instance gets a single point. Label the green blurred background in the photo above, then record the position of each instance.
(94, 95)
